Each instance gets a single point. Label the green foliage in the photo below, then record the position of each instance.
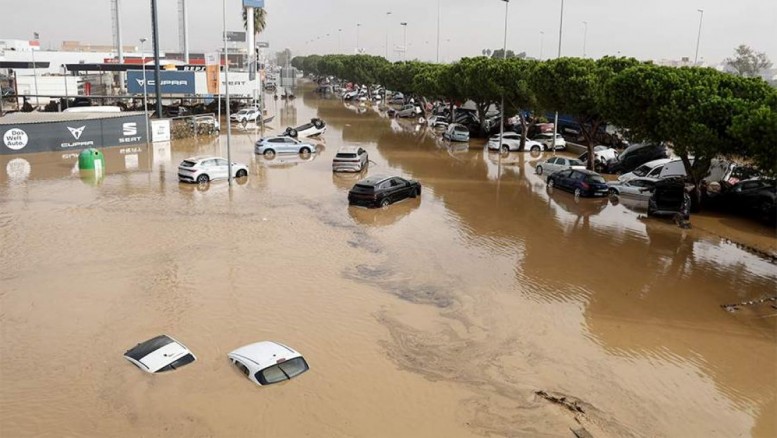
(260, 19)
(756, 129)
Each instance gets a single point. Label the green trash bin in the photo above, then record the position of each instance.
(91, 159)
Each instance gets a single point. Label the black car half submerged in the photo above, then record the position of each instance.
(380, 191)
(670, 198)
(581, 182)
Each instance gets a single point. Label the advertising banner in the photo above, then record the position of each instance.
(236, 37)
(72, 134)
(173, 81)
(253, 3)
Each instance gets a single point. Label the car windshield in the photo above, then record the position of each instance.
(187, 163)
(282, 371)
(642, 170)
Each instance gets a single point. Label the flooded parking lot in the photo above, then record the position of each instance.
(465, 312)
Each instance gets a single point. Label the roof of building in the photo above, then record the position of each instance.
(42, 117)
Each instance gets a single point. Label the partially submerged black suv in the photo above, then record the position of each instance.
(670, 198)
(380, 191)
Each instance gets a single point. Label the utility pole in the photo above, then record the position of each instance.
(226, 90)
(157, 73)
(698, 37)
(404, 48)
(558, 55)
(438, 31)
(585, 35)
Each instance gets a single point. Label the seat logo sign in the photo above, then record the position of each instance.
(76, 132)
(130, 133)
(15, 139)
(130, 128)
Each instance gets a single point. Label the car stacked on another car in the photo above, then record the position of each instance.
(581, 182)
(280, 144)
(635, 155)
(555, 164)
(350, 159)
(315, 128)
(206, 168)
(602, 155)
(380, 191)
(546, 139)
(752, 197)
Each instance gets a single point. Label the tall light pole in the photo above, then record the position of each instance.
(542, 42)
(339, 40)
(502, 108)
(145, 91)
(226, 90)
(404, 44)
(358, 25)
(698, 37)
(558, 55)
(35, 67)
(387, 34)
(585, 35)
(438, 31)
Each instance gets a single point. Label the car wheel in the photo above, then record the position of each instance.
(243, 123)
(551, 183)
(385, 202)
(539, 170)
(414, 193)
(613, 191)
(578, 192)
(203, 178)
(535, 149)
(304, 151)
(269, 152)
(241, 173)
(505, 149)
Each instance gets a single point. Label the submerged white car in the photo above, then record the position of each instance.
(206, 168)
(265, 363)
(159, 354)
(511, 142)
(314, 128)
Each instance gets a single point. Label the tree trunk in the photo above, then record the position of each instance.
(589, 134)
(524, 127)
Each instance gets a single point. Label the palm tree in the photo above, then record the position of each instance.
(260, 16)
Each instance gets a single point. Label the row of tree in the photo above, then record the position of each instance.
(702, 112)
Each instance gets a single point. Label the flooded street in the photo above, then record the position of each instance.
(438, 316)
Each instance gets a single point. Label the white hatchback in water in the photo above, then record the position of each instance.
(159, 354)
(265, 363)
(206, 168)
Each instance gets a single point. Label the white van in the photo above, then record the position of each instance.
(651, 169)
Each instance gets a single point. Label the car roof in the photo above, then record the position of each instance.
(261, 355)
(586, 171)
(157, 352)
(347, 150)
(202, 157)
(374, 180)
(657, 162)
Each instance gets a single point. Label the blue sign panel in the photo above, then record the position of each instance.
(173, 82)
(253, 3)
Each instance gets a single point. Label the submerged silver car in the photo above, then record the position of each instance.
(456, 132)
(282, 144)
(350, 159)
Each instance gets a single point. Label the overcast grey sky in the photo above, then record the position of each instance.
(656, 29)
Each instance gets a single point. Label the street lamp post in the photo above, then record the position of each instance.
(358, 25)
(226, 91)
(339, 40)
(558, 55)
(542, 43)
(387, 34)
(438, 31)
(698, 37)
(35, 70)
(145, 91)
(404, 44)
(585, 35)
(502, 108)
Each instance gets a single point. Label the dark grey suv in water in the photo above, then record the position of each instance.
(380, 191)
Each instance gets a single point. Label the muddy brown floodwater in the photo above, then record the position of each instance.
(441, 316)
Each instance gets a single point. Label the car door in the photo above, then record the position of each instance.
(289, 145)
(561, 164)
(397, 189)
(563, 179)
(222, 168)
